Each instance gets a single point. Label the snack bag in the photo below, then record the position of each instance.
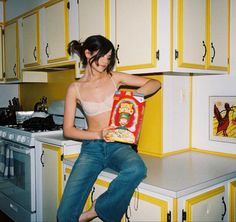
(126, 116)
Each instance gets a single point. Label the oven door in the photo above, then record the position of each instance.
(17, 180)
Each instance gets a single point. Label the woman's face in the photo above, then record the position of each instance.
(102, 63)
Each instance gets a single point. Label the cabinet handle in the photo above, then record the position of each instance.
(117, 58)
(14, 69)
(41, 158)
(46, 50)
(225, 208)
(93, 190)
(214, 52)
(35, 58)
(204, 45)
(126, 214)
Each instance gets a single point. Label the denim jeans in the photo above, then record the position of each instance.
(95, 156)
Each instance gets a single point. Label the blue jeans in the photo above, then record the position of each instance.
(95, 156)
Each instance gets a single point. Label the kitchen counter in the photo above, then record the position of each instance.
(57, 139)
(181, 174)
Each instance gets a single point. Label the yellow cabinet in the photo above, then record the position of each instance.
(96, 22)
(57, 33)
(232, 200)
(1, 54)
(31, 40)
(210, 205)
(12, 51)
(51, 180)
(147, 207)
(203, 34)
(135, 34)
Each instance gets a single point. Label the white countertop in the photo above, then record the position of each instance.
(57, 139)
(181, 174)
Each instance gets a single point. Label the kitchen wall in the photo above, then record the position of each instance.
(215, 85)
(7, 92)
(55, 89)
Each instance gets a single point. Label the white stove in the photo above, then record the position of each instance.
(24, 136)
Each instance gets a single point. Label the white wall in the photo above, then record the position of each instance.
(176, 113)
(205, 86)
(7, 92)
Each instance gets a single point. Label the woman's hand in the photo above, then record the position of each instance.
(107, 134)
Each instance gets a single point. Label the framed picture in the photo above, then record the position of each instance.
(222, 118)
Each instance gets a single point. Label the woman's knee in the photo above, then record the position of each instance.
(137, 170)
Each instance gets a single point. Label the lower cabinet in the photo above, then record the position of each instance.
(50, 175)
(208, 205)
(147, 207)
(51, 180)
(214, 203)
(232, 200)
(143, 206)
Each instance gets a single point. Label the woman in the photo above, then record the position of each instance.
(94, 92)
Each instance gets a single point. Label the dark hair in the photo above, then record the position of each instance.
(93, 43)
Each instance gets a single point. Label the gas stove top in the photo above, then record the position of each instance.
(25, 136)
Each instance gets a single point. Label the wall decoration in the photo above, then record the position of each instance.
(223, 118)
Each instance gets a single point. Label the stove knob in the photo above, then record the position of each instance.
(4, 134)
(23, 139)
(18, 138)
(11, 136)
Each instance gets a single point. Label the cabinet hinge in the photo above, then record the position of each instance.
(158, 54)
(68, 5)
(62, 157)
(77, 1)
(184, 215)
(176, 54)
(169, 216)
(3, 31)
(4, 75)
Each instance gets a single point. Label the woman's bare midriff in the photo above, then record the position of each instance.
(99, 122)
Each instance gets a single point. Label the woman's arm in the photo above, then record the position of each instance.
(69, 115)
(144, 85)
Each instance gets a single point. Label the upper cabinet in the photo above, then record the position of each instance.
(96, 22)
(12, 51)
(31, 41)
(57, 34)
(135, 34)
(151, 36)
(202, 35)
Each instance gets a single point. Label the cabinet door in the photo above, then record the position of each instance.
(1, 55)
(31, 48)
(232, 201)
(136, 34)
(218, 32)
(191, 34)
(12, 51)
(56, 23)
(147, 208)
(96, 22)
(51, 180)
(208, 206)
(67, 170)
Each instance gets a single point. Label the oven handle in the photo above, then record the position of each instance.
(19, 150)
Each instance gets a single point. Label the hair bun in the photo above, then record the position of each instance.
(74, 47)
